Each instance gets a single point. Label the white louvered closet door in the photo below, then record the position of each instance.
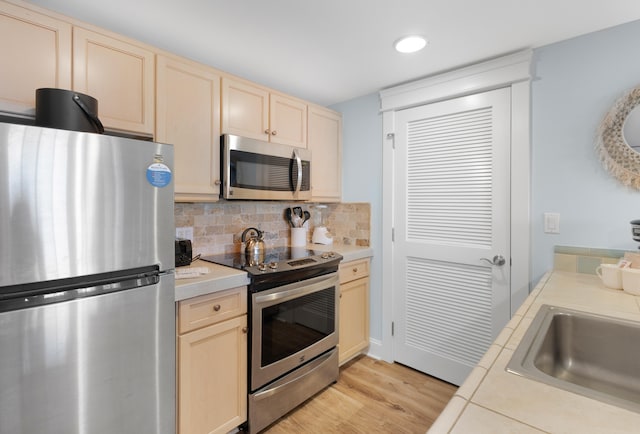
(451, 208)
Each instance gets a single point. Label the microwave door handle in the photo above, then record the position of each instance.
(299, 164)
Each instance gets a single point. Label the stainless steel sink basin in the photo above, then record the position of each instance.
(589, 354)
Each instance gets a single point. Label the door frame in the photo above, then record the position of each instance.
(512, 71)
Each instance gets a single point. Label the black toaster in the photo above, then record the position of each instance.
(183, 252)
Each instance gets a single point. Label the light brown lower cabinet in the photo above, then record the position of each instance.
(212, 362)
(354, 309)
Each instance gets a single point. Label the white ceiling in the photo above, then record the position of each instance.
(329, 51)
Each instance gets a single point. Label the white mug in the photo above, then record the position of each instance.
(631, 280)
(611, 275)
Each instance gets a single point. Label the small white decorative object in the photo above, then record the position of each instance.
(631, 280)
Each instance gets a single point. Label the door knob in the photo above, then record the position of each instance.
(497, 260)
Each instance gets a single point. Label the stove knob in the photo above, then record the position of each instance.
(332, 254)
(325, 256)
(262, 266)
(273, 265)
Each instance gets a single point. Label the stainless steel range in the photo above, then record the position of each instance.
(293, 317)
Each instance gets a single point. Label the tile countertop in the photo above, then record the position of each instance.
(492, 400)
(220, 277)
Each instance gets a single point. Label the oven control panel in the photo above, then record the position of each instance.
(294, 264)
(299, 262)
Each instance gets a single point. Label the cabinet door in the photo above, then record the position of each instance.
(212, 378)
(36, 52)
(120, 75)
(325, 143)
(245, 109)
(287, 121)
(188, 117)
(354, 318)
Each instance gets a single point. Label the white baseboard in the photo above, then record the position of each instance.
(375, 349)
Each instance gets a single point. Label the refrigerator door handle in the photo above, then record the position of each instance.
(31, 297)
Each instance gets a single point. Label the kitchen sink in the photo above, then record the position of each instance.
(592, 355)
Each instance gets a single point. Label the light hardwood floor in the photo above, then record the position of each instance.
(371, 396)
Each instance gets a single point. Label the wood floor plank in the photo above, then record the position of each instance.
(371, 396)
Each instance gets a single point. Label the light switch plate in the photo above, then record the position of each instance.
(551, 223)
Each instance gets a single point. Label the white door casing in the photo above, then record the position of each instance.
(512, 71)
(451, 210)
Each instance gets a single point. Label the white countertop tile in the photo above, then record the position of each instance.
(471, 383)
(489, 357)
(479, 420)
(449, 415)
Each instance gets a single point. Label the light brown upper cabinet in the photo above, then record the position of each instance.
(120, 75)
(36, 52)
(325, 143)
(188, 117)
(287, 120)
(253, 111)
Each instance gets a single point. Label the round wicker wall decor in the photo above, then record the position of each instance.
(617, 157)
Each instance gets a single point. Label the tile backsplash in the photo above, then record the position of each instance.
(583, 259)
(217, 227)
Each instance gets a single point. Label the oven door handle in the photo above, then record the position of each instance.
(312, 367)
(298, 289)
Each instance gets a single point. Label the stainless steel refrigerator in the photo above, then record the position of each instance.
(87, 322)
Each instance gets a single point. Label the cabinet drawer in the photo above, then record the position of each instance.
(198, 312)
(354, 270)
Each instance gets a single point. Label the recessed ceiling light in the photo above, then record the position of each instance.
(410, 44)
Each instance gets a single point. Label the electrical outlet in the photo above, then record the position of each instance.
(185, 232)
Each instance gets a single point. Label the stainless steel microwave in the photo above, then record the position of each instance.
(253, 169)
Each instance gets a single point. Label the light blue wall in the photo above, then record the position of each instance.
(362, 181)
(575, 83)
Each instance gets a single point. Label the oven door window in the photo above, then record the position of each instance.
(266, 172)
(296, 324)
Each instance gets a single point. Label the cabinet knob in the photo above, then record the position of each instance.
(217, 182)
(273, 133)
(244, 330)
(216, 307)
(355, 269)
(267, 131)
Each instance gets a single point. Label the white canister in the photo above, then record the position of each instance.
(611, 275)
(298, 237)
(631, 280)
